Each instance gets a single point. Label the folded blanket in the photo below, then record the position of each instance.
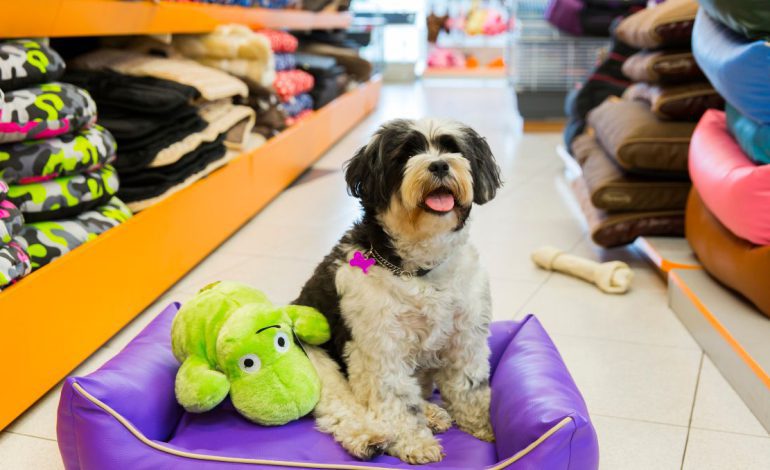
(750, 18)
(271, 119)
(47, 241)
(285, 61)
(152, 182)
(259, 72)
(40, 160)
(291, 83)
(65, 196)
(211, 83)
(297, 104)
(25, 63)
(280, 41)
(44, 111)
(14, 263)
(230, 41)
(11, 221)
(146, 95)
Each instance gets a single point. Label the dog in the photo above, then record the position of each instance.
(405, 296)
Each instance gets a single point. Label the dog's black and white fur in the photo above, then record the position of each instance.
(393, 338)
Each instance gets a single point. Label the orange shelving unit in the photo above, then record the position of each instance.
(57, 316)
(60, 18)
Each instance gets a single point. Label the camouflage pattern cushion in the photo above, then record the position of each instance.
(11, 221)
(14, 263)
(24, 63)
(66, 196)
(35, 161)
(46, 241)
(45, 111)
(3, 189)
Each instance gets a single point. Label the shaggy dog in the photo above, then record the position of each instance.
(406, 298)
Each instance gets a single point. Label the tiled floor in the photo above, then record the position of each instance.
(656, 401)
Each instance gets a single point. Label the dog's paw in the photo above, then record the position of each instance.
(483, 431)
(366, 446)
(438, 418)
(417, 450)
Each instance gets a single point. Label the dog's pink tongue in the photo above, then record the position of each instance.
(441, 202)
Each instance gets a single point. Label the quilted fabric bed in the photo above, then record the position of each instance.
(539, 417)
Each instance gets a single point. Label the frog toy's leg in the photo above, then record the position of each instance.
(308, 324)
(198, 387)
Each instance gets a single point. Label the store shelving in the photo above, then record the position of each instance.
(57, 316)
(61, 18)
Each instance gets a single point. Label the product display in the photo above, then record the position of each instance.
(44, 111)
(736, 67)
(736, 263)
(70, 154)
(46, 241)
(733, 188)
(24, 63)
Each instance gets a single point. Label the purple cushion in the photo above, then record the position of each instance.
(125, 415)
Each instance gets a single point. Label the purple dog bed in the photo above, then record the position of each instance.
(125, 415)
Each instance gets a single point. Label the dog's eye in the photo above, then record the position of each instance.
(281, 342)
(249, 363)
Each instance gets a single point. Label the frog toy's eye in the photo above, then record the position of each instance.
(281, 342)
(249, 363)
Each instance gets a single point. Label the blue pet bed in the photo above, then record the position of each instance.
(738, 68)
(125, 415)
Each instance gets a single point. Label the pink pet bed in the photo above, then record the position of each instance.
(734, 189)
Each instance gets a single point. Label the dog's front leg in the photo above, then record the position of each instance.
(382, 381)
(464, 382)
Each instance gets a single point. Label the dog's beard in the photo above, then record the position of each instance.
(419, 209)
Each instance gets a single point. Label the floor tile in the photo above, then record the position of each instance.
(19, 452)
(718, 407)
(571, 307)
(509, 296)
(636, 445)
(626, 380)
(216, 262)
(713, 450)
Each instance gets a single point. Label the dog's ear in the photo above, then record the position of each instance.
(363, 173)
(486, 173)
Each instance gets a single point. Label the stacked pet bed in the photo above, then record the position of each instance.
(55, 160)
(173, 118)
(727, 219)
(634, 157)
(291, 85)
(538, 415)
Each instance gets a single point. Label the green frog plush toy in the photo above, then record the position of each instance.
(231, 339)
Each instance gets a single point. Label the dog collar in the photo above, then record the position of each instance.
(397, 270)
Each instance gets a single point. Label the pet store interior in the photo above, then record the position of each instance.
(172, 172)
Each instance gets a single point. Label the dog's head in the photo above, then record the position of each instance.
(424, 175)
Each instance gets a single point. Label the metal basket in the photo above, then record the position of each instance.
(543, 59)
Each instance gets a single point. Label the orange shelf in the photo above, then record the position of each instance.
(462, 72)
(60, 18)
(57, 316)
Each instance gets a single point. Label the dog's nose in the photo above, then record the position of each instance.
(439, 168)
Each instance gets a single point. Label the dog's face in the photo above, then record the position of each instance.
(421, 177)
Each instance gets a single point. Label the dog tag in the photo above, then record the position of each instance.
(361, 261)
